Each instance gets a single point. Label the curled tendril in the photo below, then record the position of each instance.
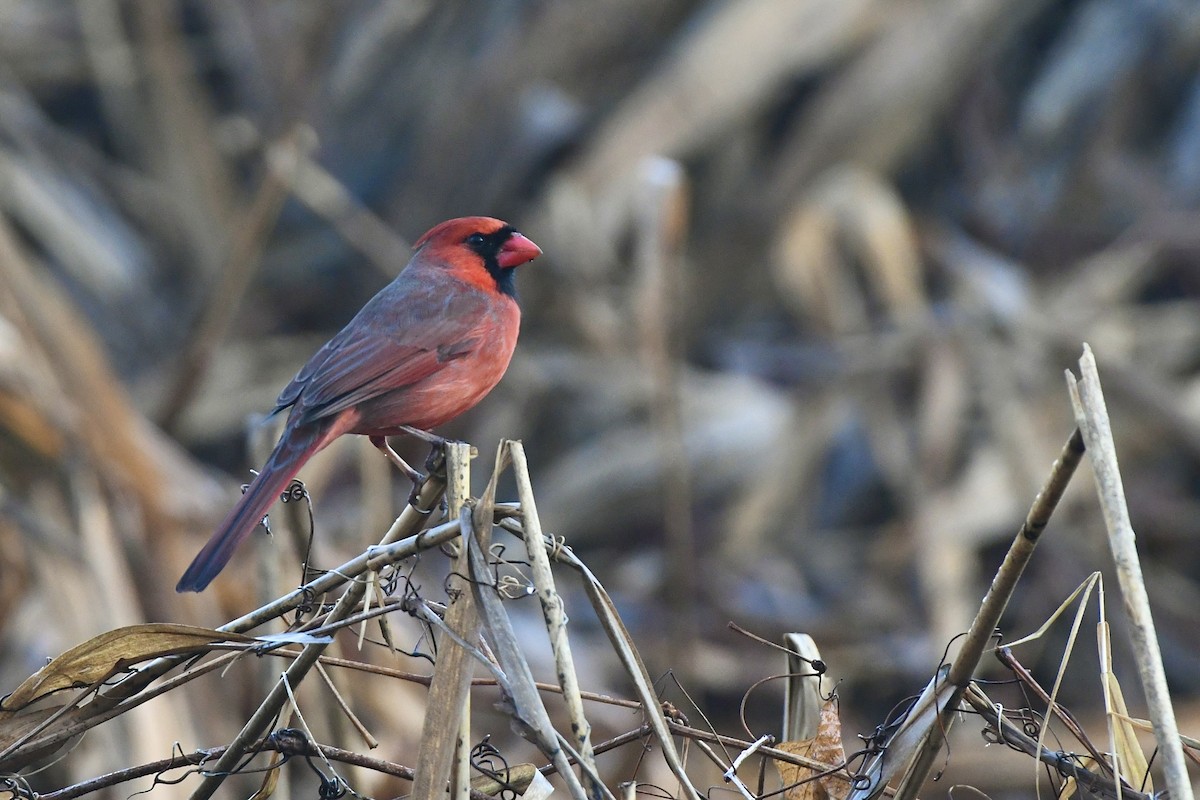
(511, 588)
(559, 543)
(485, 754)
(16, 786)
(486, 759)
(389, 580)
(294, 491)
(654, 790)
(452, 591)
(860, 782)
(331, 787)
(309, 598)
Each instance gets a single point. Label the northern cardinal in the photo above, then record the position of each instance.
(425, 349)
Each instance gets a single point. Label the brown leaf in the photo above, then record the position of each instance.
(15, 726)
(825, 747)
(112, 651)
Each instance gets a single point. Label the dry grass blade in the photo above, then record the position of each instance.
(1005, 656)
(1128, 759)
(1085, 588)
(1083, 593)
(1091, 413)
(1144, 725)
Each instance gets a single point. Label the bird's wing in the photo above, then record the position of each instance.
(407, 332)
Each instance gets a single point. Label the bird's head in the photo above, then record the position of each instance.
(480, 250)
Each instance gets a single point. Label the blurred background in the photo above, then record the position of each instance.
(793, 356)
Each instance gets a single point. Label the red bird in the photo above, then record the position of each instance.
(425, 349)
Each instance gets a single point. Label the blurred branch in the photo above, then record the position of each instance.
(237, 271)
(184, 154)
(659, 300)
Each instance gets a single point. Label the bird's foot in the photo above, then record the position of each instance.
(435, 462)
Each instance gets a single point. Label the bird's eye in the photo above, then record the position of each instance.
(475, 239)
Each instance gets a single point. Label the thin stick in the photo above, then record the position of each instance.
(1064, 764)
(1091, 414)
(297, 746)
(1006, 657)
(521, 700)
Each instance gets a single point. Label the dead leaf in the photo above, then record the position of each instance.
(825, 747)
(15, 726)
(112, 651)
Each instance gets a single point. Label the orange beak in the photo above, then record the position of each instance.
(516, 251)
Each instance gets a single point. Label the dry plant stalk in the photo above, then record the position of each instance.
(556, 620)
(448, 710)
(1091, 414)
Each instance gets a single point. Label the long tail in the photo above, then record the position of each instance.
(296, 446)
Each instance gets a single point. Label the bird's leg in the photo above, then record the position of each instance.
(413, 475)
(425, 436)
